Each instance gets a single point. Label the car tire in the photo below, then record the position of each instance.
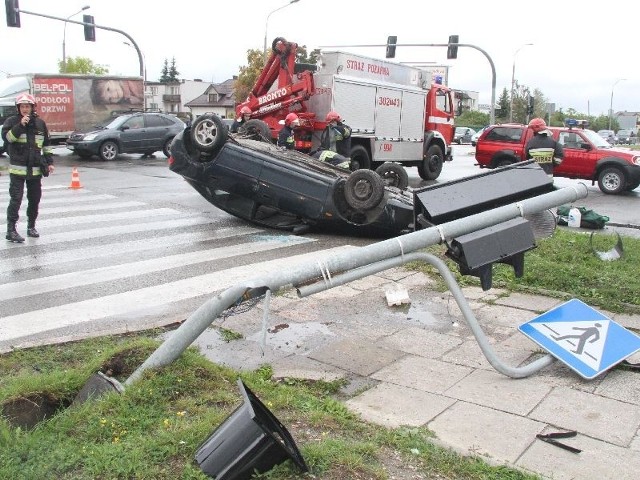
(208, 133)
(364, 190)
(359, 158)
(611, 180)
(166, 148)
(393, 175)
(108, 150)
(256, 129)
(431, 165)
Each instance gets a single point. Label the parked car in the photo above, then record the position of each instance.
(476, 136)
(609, 136)
(144, 133)
(624, 136)
(463, 135)
(587, 155)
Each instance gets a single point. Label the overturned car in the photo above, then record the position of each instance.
(255, 180)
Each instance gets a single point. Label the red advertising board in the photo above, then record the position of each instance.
(54, 97)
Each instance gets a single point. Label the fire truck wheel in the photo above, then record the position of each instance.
(394, 175)
(431, 165)
(364, 190)
(359, 158)
(256, 129)
(208, 133)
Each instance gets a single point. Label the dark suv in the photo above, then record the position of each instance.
(587, 155)
(144, 133)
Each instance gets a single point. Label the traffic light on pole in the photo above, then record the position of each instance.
(13, 13)
(391, 46)
(530, 105)
(89, 30)
(452, 50)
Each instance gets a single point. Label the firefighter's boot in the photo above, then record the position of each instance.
(13, 235)
(31, 229)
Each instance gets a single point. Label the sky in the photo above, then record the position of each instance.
(581, 54)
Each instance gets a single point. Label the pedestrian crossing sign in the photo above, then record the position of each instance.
(584, 339)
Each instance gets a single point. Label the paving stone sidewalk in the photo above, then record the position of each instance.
(419, 364)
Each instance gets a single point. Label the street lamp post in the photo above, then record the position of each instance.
(266, 25)
(611, 104)
(513, 80)
(64, 37)
(144, 67)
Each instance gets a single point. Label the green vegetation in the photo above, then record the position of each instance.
(153, 429)
(564, 266)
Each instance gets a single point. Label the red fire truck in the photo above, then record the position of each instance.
(395, 111)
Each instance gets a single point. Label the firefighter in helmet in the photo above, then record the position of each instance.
(286, 137)
(542, 147)
(245, 115)
(336, 136)
(30, 158)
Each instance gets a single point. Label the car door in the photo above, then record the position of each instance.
(578, 160)
(131, 132)
(157, 130)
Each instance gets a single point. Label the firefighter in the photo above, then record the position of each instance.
(245, 115)
(286, 137)
(542, 147)
(336, 136)
(27, 140)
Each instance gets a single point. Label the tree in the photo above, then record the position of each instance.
(174, 74)
(81, 65)
(473, 119)
(164, 75)
(502, 114)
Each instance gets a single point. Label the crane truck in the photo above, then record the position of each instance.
(396, 112)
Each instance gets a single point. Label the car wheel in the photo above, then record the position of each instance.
(256, 129)
(208, 133)
(166, 148)
(393, 175)
(108, 150)
(359, 158)
(611, 180)
(431, 165)
(364, 189)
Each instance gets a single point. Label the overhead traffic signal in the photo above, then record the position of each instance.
(13, 13)
(452, 50)
(89, 30)
(391, 46)
(530, 105)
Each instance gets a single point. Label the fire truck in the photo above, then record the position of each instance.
(396, 112)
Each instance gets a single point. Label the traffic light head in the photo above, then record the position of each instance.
(89, 30)
(452, 50)
(391, 46)
(13, 13)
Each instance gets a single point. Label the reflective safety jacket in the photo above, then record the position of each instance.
(26, 145)
(545, 151)
(336, 138)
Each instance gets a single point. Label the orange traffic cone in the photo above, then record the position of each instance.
(75, 179)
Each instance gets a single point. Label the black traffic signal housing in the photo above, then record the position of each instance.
(89, 30)
(530, 105)
(452, 50)
(13, 15)
(391, 46)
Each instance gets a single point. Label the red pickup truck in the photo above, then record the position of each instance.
(587, 156)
